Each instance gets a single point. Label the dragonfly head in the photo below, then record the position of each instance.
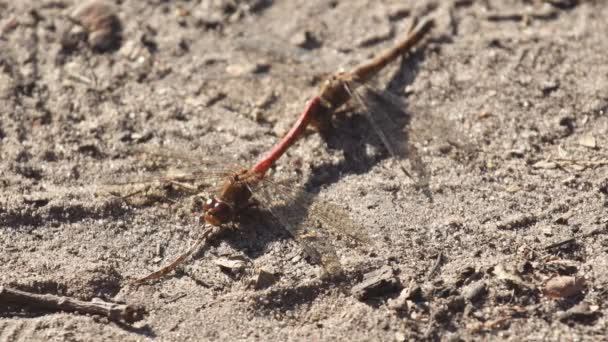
(217, 212)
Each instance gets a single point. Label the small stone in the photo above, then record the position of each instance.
(247, 69)
(564, 287)
(547, 165)
(305, 40)
(484, 114)
(100, 21)
(263, 279)
(399, 336)
(547, 230)
(475, 291)
(296, 259)
(513, 189)
(581, 312)
(141, 137)
(563, 219)
(378, 283)
(549, 86)
(588, 141)
(233, 264)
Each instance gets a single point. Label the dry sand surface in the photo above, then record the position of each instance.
(505, 102)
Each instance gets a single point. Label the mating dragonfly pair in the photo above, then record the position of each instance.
(310, 221)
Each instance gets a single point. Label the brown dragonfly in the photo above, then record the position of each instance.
(308, 220)
(400, 133)
(314, 223)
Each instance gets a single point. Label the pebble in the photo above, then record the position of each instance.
(475, 291)
(588, 141)
(580, 313)
(305, 40)
(377, 283)
(564, 287)
(101, 23)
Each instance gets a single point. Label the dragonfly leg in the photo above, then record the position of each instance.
(134, 193)
(211, 231)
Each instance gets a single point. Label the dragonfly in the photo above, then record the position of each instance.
(345, 85)
(313, 223)
(308, 220)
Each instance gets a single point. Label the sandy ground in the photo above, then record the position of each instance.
(508, 108)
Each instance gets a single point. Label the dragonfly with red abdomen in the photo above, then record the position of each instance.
(308, 220)
(312, 222)
(341, 87)
(401, 133)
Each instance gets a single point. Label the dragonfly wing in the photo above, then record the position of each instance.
(189, 158)
(331, 216)
(393, 133)
(314, 224)
(188, 171)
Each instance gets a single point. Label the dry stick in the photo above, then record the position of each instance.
(435, 266)
(114, 311)
(572, 239)
(212, 231)
(560, 243)
(587, 163)
(429, 276)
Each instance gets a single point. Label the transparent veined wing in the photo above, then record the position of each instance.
(314, 223)
(190, 171)
(402, 132)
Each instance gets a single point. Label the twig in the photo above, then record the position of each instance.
(560, 243)
(572, 239)
(430, 324)
(114, 311)
(435, 266)
(526, 16)
(581, 162)
(597, 231)
(180, 259)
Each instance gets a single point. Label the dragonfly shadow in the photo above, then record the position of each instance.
(254, 233)
(306, 221)
(288, 299)
(356, 137)
(289, 218)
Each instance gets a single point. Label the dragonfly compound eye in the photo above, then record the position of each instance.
(218, 212)
(210, 203)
